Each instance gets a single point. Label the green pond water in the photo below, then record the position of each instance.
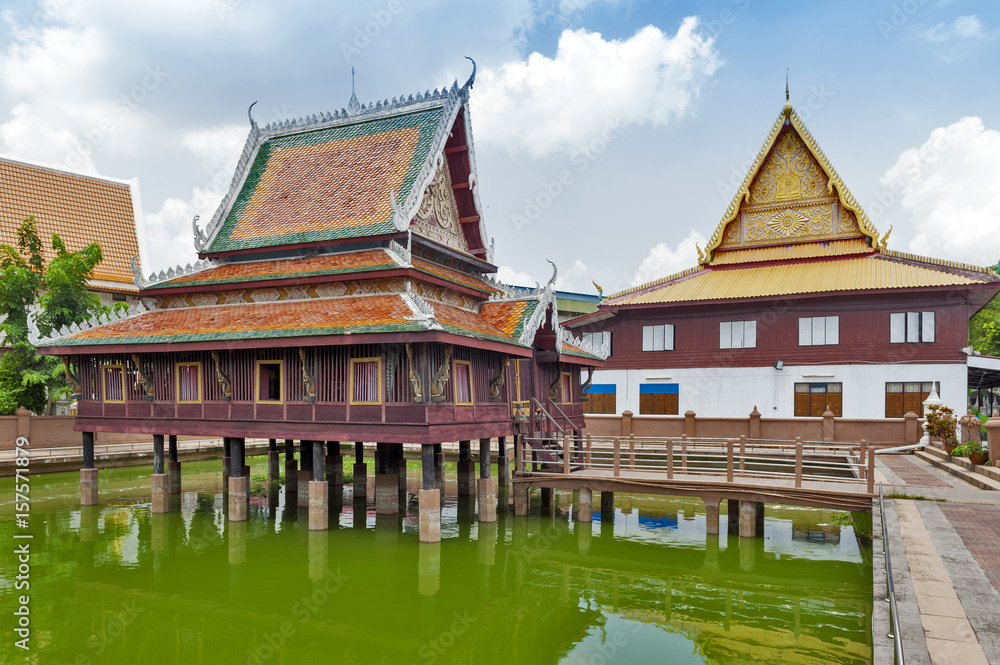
(117, 584)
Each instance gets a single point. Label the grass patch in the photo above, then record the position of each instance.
(913, 497)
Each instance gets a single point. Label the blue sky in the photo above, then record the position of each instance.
(653, 108)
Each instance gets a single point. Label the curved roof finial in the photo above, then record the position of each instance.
(787, 110)
(472, 78)
(353, 106)
(253, 123)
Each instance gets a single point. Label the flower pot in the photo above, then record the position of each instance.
(949, 447)
(977, 458)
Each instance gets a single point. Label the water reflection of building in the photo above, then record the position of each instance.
(816, 533)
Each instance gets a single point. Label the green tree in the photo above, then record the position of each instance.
(984, 329)
(57, 295)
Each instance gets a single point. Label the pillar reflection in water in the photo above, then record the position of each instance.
(429, 569)
(319, 565)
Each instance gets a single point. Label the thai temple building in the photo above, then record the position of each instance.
(796, 305)
(344, 294)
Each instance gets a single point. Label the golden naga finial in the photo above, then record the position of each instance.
(702, 256)
(600, 289)
(787, 110)
(884, 240)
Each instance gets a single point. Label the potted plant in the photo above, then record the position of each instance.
(940, 425)
(976, 451)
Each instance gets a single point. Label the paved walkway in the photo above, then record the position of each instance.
(946, 563)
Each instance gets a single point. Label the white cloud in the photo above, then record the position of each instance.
(169, 229)
(575, 278)
(508, 275)
(663, 261)
(547, 105)
(963, 27)
(950, 188)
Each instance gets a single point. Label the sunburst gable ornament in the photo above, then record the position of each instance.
(787, 223)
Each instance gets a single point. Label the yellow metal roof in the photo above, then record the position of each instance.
(789, 252)
(759, 281)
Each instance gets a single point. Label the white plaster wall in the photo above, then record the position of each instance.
(732, 392)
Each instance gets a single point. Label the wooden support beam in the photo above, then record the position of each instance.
(631, 451)
(618, 457)
(670, 459)
(729, 460)
(459, 185)
(469, 219)
(456, 149)
(798, 461)
(566, 456)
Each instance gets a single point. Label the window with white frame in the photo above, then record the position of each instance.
(658, 338)
(597, 339)
(819, 330)
(911, 327)
(738, 335)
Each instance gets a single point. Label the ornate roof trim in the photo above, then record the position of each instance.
(891, 253)
(600, 352)
(449, 99)
(36, 339)
(657, 282)
(835, 182)
(172, 273)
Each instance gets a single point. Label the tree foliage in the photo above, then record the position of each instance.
(55, 296)
(984, 329)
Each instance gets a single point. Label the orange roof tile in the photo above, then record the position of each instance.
(254, 271)
(79, 209)
(509, 316)
(453, 275)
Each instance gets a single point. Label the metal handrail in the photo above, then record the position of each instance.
(560, 411)
(895, 634)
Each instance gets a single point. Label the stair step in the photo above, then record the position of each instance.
(937, 452)
(980, 480)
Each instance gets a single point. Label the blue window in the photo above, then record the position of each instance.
(659, 399)
(600, 398)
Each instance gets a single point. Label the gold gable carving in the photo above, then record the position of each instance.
(789, 200)
(791, 194)
(438, 218)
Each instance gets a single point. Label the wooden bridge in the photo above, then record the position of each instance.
(838, 476)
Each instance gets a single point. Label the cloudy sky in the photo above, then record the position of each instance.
(610, 134)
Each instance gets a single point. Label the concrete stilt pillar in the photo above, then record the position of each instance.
(291, 469)
(607, 506)
(733, 515)
(161, 493)
(485, 458)
(712, 516)
(748, 519)
(386, 494)
(487, 499)
(173, 465)
(360, 471)
(520, 499)
(227, 447)
(430, 515)
(88, 474)
(466, 469)
(503, 469)
(273, 461)
(304, 478)
(319, 505)
(584, 509)
(760, 519)
(335, 468)
(238, 498)
(439, 467)
(401, 471)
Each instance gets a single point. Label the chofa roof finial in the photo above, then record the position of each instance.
(472, 78)
(253, 123)
(788, 104)
(353, 106)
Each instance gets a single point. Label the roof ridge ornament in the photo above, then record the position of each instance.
(136, 271)
(353, 106)
(199, 236)
(472, 77)
(253, 123)
(787, 110)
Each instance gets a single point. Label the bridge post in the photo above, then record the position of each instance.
(547, 497)
(88, 474)
(712, 516)
(566, 456)
(607, 506)
(291, 468)
(733, 515)
(748, 519)
(631, 451)
(173, 465)
(862, 451)
(743, 453)
(871, 472)
(760, 518)
(729, 460)
(798, 461)
(618, 458)
(466, 468)
(521, 498)
(684, 454)
(670, 459)
(584, 508)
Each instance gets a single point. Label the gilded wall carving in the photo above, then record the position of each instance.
(438, 218)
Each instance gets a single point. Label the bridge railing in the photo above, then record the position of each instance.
(798, 461)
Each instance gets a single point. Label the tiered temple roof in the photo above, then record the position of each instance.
(794, 228)
(361, 222)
